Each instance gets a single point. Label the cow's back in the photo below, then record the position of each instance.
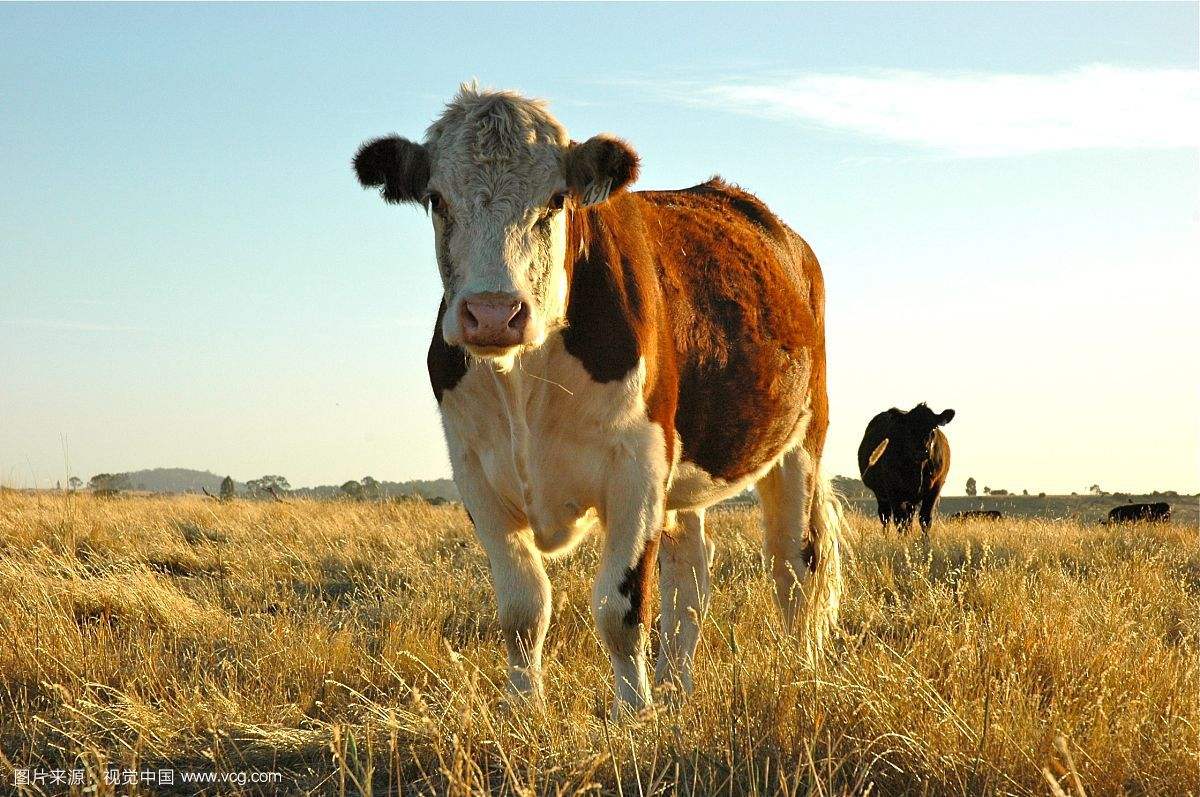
(743, 298)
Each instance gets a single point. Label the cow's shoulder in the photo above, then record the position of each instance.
(447, 364)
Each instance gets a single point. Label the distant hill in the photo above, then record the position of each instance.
(190, 480)
(175, 480)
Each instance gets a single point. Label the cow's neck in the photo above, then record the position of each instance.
(512, 387)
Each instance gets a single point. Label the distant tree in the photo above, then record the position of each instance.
(74, 483)
(999, 492)
(1024, 492)
(987, 490)
(371, 489)
(352, 490)
(267, 485)
(228, 489)
(109, 482)
(1041, 495)
(1095, 490)
(971, 486)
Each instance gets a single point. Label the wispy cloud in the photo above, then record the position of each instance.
(976, 114)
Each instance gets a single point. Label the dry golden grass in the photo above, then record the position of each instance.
(354, 647)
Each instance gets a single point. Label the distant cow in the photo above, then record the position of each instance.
(618, 361)
(904, 458)
(982, 514)
(1158, 512)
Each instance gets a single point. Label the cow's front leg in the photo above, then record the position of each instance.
(633, 516)
(518, 575)
(523, 604)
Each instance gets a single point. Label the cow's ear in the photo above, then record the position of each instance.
(396, 166)
(945, 417)
(599, 168)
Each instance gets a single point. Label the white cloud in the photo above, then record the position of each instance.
(979, 114)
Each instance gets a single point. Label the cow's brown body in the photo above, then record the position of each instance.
(724, 303)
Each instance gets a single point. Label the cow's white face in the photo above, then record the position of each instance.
(500, 234)
(499, 177)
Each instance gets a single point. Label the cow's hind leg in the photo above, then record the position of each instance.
(684, 557)
(800, 545)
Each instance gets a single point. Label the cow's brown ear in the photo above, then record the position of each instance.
(944, 417)
(396, 166)
(599, 168)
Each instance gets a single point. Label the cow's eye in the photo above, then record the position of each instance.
(557, 201)
(436, 203)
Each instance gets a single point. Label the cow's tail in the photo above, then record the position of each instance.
(828, 524)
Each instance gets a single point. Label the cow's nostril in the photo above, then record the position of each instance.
(520, 317)
(470, 322)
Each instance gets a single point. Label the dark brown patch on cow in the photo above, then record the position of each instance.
(396, 166)
(637, 584)
(604, 300)
(447, 364)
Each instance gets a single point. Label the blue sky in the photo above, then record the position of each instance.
(1003, 197)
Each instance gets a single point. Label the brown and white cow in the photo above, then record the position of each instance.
(620, 360)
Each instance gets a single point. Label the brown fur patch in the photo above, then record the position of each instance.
(638, 584)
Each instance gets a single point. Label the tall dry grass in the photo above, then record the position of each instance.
(354, 648)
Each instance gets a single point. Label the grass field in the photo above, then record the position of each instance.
(354, 648)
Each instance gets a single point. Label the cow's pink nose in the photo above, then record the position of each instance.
(493, 320)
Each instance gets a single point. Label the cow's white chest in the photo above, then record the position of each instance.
(548, 439)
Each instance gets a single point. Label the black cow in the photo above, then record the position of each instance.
(981, 514)
(1158, 512)
(904, 459)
